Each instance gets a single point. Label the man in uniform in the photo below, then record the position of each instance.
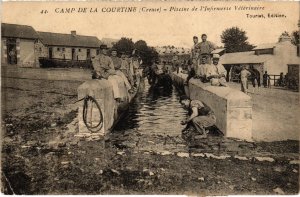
(117, 64)
(216, 72)
(206, 47)
(125, 68)
(201, 117)
(175, 63)
(201, 69)
(153, 72)
(195, 52)
(244, 79)
(134, 66)
(104, 69)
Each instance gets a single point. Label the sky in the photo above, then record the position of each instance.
(157, 28)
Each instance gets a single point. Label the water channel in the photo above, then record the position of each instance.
(152, 122)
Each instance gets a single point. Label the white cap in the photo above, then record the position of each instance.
(216, 56)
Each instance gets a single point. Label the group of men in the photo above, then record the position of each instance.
(118, 71)
(205, 66)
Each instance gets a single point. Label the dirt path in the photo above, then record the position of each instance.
(275, 113)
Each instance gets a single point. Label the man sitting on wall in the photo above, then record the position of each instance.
(202, 69)
(201, 117)
(216, 72)
(104, 69)
(117, 64)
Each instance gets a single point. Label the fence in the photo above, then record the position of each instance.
(61, 63)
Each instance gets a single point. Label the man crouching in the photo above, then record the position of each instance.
(201, 117)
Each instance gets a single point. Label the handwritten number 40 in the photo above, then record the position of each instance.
(44, 11)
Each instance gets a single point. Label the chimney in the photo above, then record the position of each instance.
(285, 37)
(73, 33)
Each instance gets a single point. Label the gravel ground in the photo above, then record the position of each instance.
(40, 154)
(275, 113)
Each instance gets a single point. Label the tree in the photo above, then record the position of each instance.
(124, 45)
(147, 54)
(235, 40)
(295, 38)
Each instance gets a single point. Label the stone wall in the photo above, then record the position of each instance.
(232, 108)
(102, 91)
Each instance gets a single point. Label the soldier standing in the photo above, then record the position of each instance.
(244, 79)
(125, 68)
(195, 52)
(206, 47)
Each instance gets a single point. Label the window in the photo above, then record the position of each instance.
(79, 50)
(264, 51)
(58, 49)
(63, 49)
(98, 51)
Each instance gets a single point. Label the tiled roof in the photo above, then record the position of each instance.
(18, 31)
(244, 58)
(58, 39)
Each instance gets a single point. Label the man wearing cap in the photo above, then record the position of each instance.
(117, 64)
(195, 51)
(216, 72)
(104, 69)
(201, 116)
(206, 47)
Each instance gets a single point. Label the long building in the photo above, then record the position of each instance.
(23, 46)
(68, 46)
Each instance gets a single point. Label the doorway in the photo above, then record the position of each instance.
(73, 54)
(11, 51)
(88, 54)
(50, 53)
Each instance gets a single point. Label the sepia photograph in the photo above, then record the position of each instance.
(150, 97)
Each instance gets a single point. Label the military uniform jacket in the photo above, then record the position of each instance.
(117, 62)
(103, 65)
(206, 47)
(215, 70)
(195, 51)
